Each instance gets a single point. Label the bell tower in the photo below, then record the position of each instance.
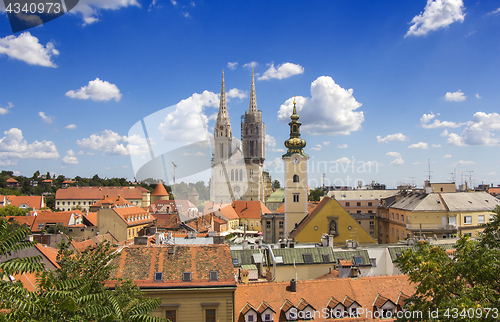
(295, 175)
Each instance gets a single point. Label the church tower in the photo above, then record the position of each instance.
(295, 175)
(222, 132)
(253, 137)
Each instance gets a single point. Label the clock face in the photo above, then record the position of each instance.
(221, 127)
(295, 160)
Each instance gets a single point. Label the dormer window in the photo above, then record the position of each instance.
(214, 276)
(158, 277)
(186, 277)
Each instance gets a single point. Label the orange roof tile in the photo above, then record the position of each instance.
(160, 190)
(134, 215)
(380, 301)
(83, 245)
(28, 280)
(249, 209)
(281, 209)
(91, 217)
(228, 212)
(60, 217)
(49, 252)
(22, 220)
(34, 202)
(96, 193)
(345, 263)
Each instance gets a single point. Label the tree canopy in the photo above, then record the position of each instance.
(461, 286)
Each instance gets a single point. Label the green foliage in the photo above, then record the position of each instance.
(465, 283)
(276, 184)
(12, 211)
(76, 292)
(316, 194)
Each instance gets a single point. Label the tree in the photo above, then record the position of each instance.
(76, 292)
(463, 286)
(10, 210)
(276, 184)
(315, 194)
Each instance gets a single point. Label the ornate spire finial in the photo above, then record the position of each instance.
(295, 143)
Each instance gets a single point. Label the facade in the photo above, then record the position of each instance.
(441, 215)
(123, 223)
(330, 218)
(250, 214)
(295, 181)
(83, 197)
(195, 283)
(237, 167)
(273, 227)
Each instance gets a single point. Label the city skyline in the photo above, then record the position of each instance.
(383, 90)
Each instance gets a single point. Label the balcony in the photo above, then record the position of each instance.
(431, 227)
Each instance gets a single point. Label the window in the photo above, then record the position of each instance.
(372, 225)
(370, 211)
(480, 219)
(186, 277)
(358, 212)
(268, 224)
(358, 260)
(235, 262)
(241, 175)
(402, 218)
(468, 220)
(232, 175)
(214, 276)
(397, 217)
(373, 261)
(392, 231)
(347, 204)
(281, 225)
(267, 317)
(392, 215)
(158, 276)
(370, 204)
(171, 315)
(326, 258)
(210, 315)
(58, 203)
(295, 178)
(358, 204)
(250, 318)
(295, 197)
(40, 226)
(308, 258)
(257, 223)
(251, 223)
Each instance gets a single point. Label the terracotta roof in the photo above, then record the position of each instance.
(319, 293)
(213, 206)
(287, 305)
(140, 263)
(402, 298)
(12, 180)
(22, 220)
(133, 215)
(91, 217)
(345, 263)
(62, 217)
(160, 190)
(83, 245)
(264, 306)
(247, 308)
(303, 304)
(34, 202)
(380, 301)
(249, 209)
(332, 274)
(28, 280)
(281, 209)
(332, 303)
(114, 202)
(49, 252)
(96, 193)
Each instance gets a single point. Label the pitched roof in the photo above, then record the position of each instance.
(451, 201)
(140, 263)
(133, 215)
(160, 190)
(119, 201)
(12, 180)
(309, 216)
(277, 196)
(96, 193)
(367, 194)
(34, 202)
(83, 245)
(319, 293)
(249, 209)
(49, 252)
(91, 217)
(380, 301)
(60, 217)
(281, 209)
(247, 308)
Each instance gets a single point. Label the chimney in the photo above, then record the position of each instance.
(293, 286)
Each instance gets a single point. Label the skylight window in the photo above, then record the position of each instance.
(308, 258)
(358, 260)
(214, 276)
(326, 258)
(186, 277)
(158, 276)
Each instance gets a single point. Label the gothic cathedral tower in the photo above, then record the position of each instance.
(295, 175)
(253, 137)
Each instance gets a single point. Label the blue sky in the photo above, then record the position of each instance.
(383, 87)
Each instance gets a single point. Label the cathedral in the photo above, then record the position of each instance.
(237, 166)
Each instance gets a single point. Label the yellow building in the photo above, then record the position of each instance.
(123, 223)
(195, 283)
(329, 217)
(442, 215)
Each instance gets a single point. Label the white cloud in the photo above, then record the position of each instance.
(419, 145)
(345, 160)
(445, 133)
(317, 147)
(70, 158)
(327, 142)
(275, 164)
(188, 123)
(426, 118)
(46, 118)
(436, 145)
(492, 173)
(251, 64)
(232, 65)
(342, 146)
(5, 110)
(494, 12)
(111, 143)
(458, 96)
(392, 137)
(399, 159)
(90, 9)
(329, 111)
(437, 14)
(447, 156)
(80, 152)
(271, 143)
(283, 71)
(13, 146)
(27, 48)
(97, 90)
(464, 163)
(416, 163)
(186, 14)
(479, 131)
(477, 96)
(174, 3)
(71, 126)
(236, 93)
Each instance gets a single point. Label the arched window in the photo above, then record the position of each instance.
(295, 178)
(232, 175)
(236, 176)
(241, 175)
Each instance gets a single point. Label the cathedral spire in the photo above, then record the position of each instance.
(223, 125)
(253, 99)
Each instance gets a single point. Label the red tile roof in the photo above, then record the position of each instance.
(91, 217)
(83, 245)
(134, 215)
(140, 263)
(34, 202)
(96, 193)
(160, 190)
(249, 209)
(281, 209)
(28, 280)
(12, 180)
(49, 252)
(319, 293)
(62, 217)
